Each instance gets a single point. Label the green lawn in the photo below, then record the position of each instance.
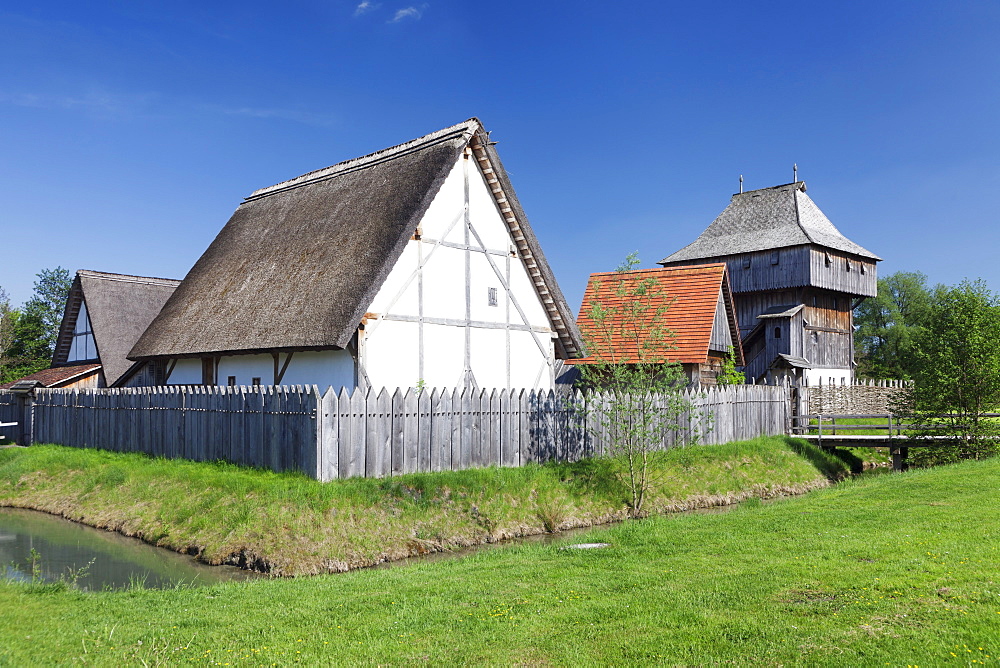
(892, 570)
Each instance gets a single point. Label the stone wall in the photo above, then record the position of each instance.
(862, 398)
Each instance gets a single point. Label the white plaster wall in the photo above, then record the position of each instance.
(481, 278)
(322, 368)
(391, 354)
(526, 369)
(392, 347)
(187, 371)
(444, 283)
(829, 376)
(399, 292)
(444, 355)
(523, 287)
(246, 368)
(488, 354)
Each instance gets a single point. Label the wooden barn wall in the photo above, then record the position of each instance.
(768, 270)
(829, 310)
(9, 410)
(722, 337)
(829, 350)
(750, 305)
(773, 345)
(844, 273)
(364, 433)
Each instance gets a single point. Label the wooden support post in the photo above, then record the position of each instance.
(898, 457)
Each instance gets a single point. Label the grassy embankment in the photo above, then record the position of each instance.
(888, 570)
(291, 525)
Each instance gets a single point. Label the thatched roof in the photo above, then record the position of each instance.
(766, 219)
(120, 308)
(299, 263)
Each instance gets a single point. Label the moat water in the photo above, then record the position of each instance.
(93, 559)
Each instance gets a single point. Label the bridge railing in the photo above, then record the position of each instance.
(888, 424)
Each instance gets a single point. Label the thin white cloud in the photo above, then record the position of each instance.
(304, 117)
(97, 102)
(408, 13)
(366, 6)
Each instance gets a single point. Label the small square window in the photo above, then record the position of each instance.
(746, 261)
(774, 257)
(492, 296)
(231, 381)
(255, 382)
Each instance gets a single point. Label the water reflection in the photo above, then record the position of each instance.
(96, 559)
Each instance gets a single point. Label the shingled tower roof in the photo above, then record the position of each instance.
(766, 219)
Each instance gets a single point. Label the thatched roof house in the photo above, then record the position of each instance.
(301, 268)
(104, 317)
(691, 305)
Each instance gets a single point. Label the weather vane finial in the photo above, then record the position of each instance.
(795, 173)
(741, 184)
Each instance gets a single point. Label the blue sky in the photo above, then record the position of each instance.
(130, 131)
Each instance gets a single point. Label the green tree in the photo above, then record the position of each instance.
(8, 320)
(957, 370)
(888, 325)
(47, 303)
(27, 342)
(728, 375)
(635, 393)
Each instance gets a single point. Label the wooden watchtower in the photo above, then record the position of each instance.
(795, 279)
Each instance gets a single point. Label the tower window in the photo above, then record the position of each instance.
(777, 332)
(774, 257)
(746, 261)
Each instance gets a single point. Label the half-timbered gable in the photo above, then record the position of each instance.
(690, 307)
(408, 267)
(796, 280)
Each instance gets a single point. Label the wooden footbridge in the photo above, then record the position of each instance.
(899, 436)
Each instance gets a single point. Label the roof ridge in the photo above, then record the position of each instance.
(685, 267)
(128, 278)
(798, 217)
(465, 127)
(799, 186)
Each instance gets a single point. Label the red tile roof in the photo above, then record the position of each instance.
(691, 295)
(56, 376)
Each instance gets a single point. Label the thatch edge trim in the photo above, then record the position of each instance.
(569, 334)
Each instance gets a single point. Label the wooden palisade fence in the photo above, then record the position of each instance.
(339, 435)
